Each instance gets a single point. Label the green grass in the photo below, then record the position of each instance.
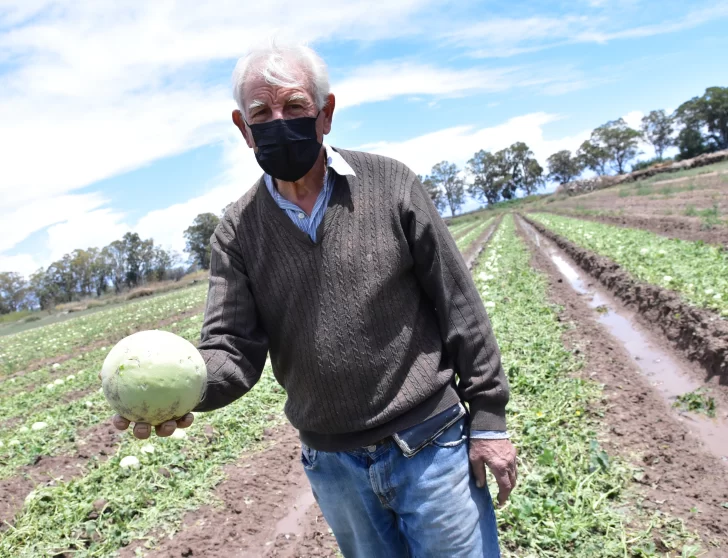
(143, 502)
(573, 499)
(464, 241)
(19, 350)
(697, 271)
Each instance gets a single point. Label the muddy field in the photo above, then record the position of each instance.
(692, 207)
(638, 344)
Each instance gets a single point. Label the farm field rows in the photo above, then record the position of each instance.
(577, 494)
(19, 350)
(697, 271)
(690, 205)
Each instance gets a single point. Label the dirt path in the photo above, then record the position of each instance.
(682, 228)
(267, 509)
(678, 473)
(700, 334)
(473, 251)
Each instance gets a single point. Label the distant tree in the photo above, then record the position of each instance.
(41, 289)
(435, 193)
(619, 141)
(446, 176)
(714, 111)
(519, 170)
(13, 292)
(115, 255)
(134, 251)
(198, 236)
(593, 157)
(100, 270)
(657, 129)
(704, 123)
(487, 172)
(564, 167)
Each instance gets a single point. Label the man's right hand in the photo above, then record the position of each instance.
(143, 430)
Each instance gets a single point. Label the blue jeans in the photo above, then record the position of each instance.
(381, 504)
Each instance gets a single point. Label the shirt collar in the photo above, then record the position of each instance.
(336, 162)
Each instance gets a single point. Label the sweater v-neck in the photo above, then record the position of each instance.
(334, 207)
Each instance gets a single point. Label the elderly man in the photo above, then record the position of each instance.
(338, 263)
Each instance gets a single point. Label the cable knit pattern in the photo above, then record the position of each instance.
(366, 327)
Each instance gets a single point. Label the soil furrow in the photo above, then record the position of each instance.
(258, 514)
(682, 228)
(702, 335)
(472, 253)
(676, 475)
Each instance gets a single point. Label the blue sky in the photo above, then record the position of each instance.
(116, 115)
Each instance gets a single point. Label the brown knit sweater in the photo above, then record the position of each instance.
(367, 328)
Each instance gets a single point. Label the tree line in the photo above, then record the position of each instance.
(122, 265)
(699, 125)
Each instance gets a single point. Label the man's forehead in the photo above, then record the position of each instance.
(257, 88)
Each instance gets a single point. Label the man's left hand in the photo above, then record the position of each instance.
(500, 457)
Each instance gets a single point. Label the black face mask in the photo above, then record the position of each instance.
(287, 149)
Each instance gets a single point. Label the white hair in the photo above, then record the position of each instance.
(283, 65)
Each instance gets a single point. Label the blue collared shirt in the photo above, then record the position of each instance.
(309, 224)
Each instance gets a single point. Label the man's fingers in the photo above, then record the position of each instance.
(478, 472)
(142, 430)
(185, 421)
(166, 428)
(119, 422)
(504, 486)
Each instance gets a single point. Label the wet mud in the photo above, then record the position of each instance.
(701, 335)
(677, 473)
(265, 509)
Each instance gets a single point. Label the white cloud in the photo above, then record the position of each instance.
(382, 81)
(94, 229)
(459, 143)
(509, 36)
(634, 119)
(25, 264)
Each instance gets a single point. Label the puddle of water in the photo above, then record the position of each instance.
(291, 524)
(663, 371)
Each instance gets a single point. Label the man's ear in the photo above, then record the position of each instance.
(328, 111)
(240, 124)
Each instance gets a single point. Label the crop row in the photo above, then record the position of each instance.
(145, 501)
(465, 241)
(572, 498)
(696, 271)
(54, 402)
(17, 351)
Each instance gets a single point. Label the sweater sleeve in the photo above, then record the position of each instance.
(233, 344)
(465, 328)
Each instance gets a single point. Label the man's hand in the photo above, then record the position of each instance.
(142, 430)
(500, 457)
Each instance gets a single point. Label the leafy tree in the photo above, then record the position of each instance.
(42, 289)
(593, 157)
(134, 258)
(434, 192)
(704, 122)
(198, 236)
(657, 129)
(115, 255)
(619, 141)
(13, 292)
(487, 171)
(519, 170)
(446, 176)
(714, 111)
(563, 167)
